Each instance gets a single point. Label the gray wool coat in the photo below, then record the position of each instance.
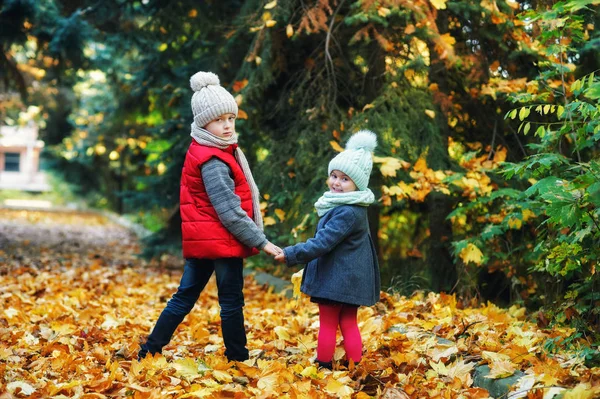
(341, 259)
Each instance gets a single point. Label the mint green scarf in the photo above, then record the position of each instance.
(330, 200)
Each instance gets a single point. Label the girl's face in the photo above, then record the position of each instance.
(222, 127)
(339, 182)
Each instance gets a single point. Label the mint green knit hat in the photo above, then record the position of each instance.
(357, 159)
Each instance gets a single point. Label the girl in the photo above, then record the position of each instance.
(342, 271)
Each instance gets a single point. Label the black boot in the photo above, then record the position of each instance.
(325, 365)
(161, 334)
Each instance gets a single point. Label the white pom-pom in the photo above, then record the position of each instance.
(362, 139)
(202, 79)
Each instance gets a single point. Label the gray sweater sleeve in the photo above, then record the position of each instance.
(220, 189)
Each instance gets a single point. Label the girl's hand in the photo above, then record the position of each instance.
(280, 257)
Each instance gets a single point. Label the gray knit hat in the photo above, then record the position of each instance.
(357, 159)
(210, 100)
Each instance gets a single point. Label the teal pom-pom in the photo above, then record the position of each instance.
(365, 139)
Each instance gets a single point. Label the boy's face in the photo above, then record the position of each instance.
(339, 182)
(222, 127)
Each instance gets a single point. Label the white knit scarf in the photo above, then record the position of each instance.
(204, 137)
(330, 200)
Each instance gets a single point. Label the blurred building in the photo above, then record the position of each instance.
(20, 159)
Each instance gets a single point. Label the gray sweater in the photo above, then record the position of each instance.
(220, 187)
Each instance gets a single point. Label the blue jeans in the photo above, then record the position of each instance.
(230, 283)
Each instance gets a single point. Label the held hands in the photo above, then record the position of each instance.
(272, 249)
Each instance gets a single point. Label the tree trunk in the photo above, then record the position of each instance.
(439, 259)
(441, 266)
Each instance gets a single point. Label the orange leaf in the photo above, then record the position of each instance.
(242, 114)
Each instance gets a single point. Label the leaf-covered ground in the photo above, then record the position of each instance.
(76, 302)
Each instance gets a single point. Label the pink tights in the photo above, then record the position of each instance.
(330, 316)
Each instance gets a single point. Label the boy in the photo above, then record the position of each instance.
(221, 219)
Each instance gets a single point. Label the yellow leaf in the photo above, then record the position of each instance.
(421, 165)
(448, 39)
(336, 146)
(200, 393)
(338, 389)
(368, 106)
(163, 47)
(528, 214)
(258, 60)
(270, 23)
(11, 312)
(501, 369)
(25, 388)
(266, 16)
(389, 165)
(222, 376)
(430, 113)
(270, 5)
(267, 382)
(513, 4)
(280, 214)
(500, 155)
(269, 221)
(494, 356)
(239, 99)
(296, 283)
(188, 368)
(383, 12)
(582, 391)
(439, 4)
(289, 30)
(515, 223)
(110, 322)
(471, 254)
(282, 333)
(310, 371)
(517, 312)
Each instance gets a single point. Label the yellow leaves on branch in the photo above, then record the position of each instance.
(336, 146)
(390, 165)
(271, 5)
(471, 254)
(425, 180)
(430, 113)
(439, 4)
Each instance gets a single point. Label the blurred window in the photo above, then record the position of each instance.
(12, 162)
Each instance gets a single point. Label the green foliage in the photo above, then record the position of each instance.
(555, 207)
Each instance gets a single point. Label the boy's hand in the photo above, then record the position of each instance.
(272, 249)
(280, 257)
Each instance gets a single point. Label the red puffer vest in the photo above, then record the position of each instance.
(203, 234)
